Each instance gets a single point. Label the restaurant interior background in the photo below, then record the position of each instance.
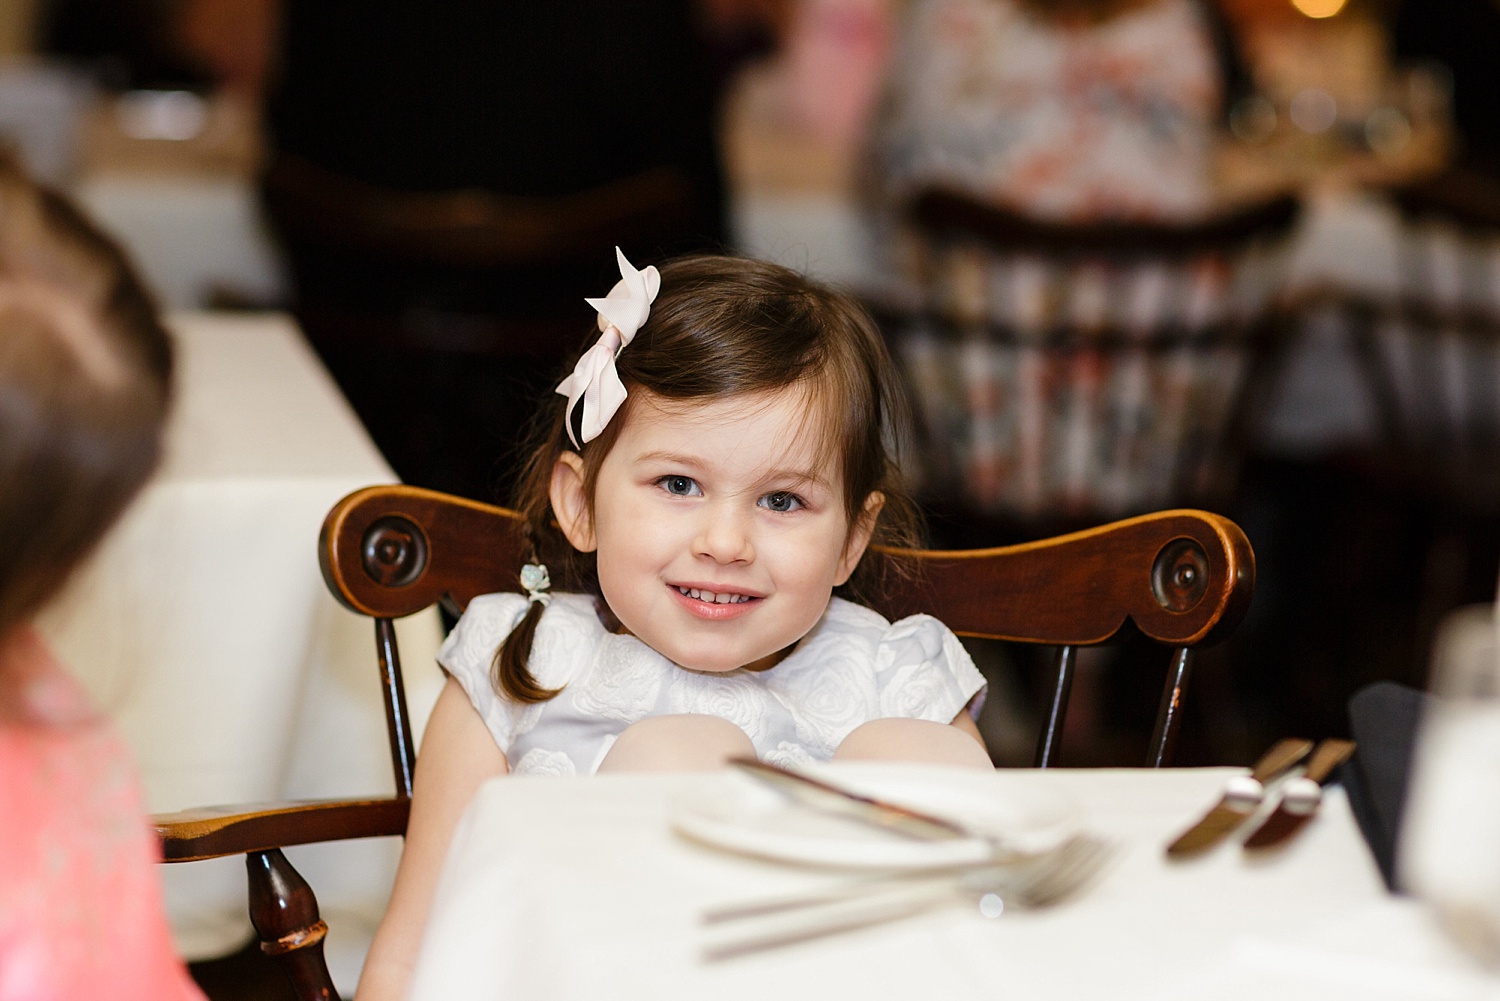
(151, 114)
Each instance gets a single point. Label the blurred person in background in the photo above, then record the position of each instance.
(544, 132)
(85, 367)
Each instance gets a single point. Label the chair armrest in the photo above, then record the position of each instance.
(216, 831)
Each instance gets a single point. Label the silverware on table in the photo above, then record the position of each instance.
(830, 798)
(1031, 881)
(1243, 795)
(1301, 797)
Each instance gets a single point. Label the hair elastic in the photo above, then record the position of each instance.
(594, 390)
(535, 581)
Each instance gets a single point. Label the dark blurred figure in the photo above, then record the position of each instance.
(449, 180)
(125, 44)
(1461, 35)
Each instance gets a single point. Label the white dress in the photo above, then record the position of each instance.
(853, 666)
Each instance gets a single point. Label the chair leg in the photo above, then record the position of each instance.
(285, 915)
(1050, 739)
(1168, 717)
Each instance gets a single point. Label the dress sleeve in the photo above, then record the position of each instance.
(469, 651)
(922, 671)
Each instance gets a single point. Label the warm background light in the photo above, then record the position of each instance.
(1319, 8)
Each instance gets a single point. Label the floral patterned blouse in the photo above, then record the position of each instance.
(80, 902)
(1059, 120)
(853, 666)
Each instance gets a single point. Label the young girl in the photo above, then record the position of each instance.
(85, 369)
(714, 467)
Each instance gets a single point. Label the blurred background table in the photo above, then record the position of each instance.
(204, 628)
(592, 895)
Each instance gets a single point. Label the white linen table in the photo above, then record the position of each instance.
(577, 888)
(204, 628)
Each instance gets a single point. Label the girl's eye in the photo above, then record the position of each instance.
(781, 501)
(679, 486)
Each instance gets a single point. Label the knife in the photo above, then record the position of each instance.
(1299, 803)
(1243, 795)
(835, 799)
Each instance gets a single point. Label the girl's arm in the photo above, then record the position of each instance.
(457, 755)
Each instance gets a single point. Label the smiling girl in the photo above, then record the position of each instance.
(712, 471)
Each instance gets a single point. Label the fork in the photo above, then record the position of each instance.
(1034, 881)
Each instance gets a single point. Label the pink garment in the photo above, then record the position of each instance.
(80, 900)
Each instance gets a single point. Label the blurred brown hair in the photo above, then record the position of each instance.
(723, 327)
(85, 371)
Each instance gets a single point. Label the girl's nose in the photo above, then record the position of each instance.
(723, 536)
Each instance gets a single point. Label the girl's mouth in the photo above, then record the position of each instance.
(714, 606)
(713, 597)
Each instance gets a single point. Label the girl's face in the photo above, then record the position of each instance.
(720, 529)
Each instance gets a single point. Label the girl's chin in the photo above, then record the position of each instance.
(714, 667)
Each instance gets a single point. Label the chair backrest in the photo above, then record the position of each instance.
(1093, 370)
(1184, 578)
(1431, 346)
(473, 228)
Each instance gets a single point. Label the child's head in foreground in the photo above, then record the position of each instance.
(741, 480)
(84, 383)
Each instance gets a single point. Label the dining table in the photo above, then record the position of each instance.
(595, 887)
(203, 626)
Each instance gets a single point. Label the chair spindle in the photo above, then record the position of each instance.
(1169, 716)
(1050, 740)
(403, 754)
(285, 915)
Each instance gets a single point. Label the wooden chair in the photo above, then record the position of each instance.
(1069, 374)
(1430, 347)
(1183, 578)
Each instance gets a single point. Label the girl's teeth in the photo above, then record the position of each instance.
(714, 598)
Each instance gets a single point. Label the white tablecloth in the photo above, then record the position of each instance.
(576, 888)
(205, 629)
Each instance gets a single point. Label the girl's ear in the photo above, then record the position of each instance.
(570, 502)
(859, 536)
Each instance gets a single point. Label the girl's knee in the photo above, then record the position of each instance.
(915, 740)
(681, 743)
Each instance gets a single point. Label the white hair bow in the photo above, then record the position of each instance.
(594, 379)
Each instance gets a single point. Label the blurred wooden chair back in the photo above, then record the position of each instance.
(1183, 578)
(1431, 346)
(1068, 374)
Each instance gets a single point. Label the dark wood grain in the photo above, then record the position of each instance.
(1081, 589)
(214, 832)
(285, 915)
(473, 228)
(473, 548)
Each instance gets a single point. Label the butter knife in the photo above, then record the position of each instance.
(830, 798)
(1300, 800)
(1243, 795)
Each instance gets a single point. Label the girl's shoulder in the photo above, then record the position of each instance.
(490, 618)
(916, 637)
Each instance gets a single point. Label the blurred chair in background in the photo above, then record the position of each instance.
(1038, 170)
(1430, 350)
(1067, 374)
(1080, 325)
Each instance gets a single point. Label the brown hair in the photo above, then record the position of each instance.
(85, 369)
(722, 327)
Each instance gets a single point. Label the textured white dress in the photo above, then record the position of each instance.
(853, 666)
